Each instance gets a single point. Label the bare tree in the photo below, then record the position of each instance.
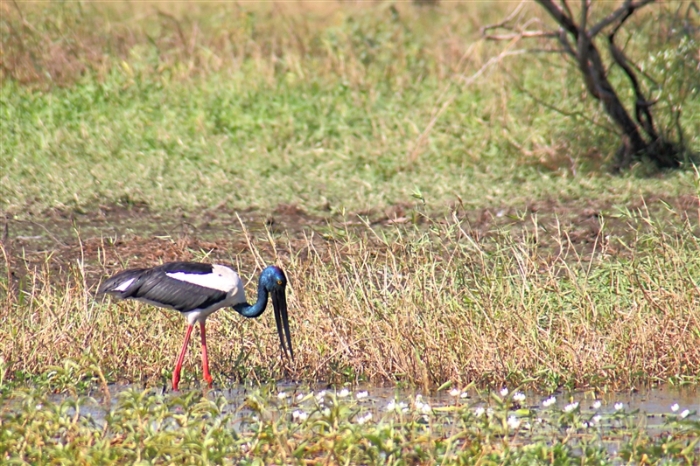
(577, 36)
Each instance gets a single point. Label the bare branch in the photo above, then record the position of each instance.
(567, 22)
(505, 22)
(520, 35)
(642, 105)
(564, 40)
(637, 131)
(567, 9)
(615, 15)
(585, 5)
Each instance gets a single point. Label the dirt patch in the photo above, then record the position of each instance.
(108, 238)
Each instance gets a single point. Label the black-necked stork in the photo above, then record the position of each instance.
(197, 290)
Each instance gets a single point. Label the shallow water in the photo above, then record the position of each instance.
(652, 405)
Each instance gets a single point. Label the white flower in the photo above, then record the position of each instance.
(455, 392)
(391, 406)
(419, 405)
(464, 395)
(619, 406)
(675, 407)
(321, 395)
(361, 395)
(504, 392)
(570, 407)
(281, 395)
(363, 419)
(326, 412)
(513, 422)
(597, 404)
(584, 425)
(403, 407)
(519, 397)
(425, 408)
(478, 412)
(684, 414)
(343, 393)
(596, 419)
(300, 396)
(300, 415)
(549, 402)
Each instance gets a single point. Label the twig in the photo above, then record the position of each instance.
(615, 15)
(559, 110)
(564, 40)
(505, 21)
(53, 237)
(424, 135)
(560, 17)
(567, 9)
(520, 35)
(493, 61)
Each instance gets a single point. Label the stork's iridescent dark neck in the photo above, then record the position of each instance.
(254, 310)
(270, 279)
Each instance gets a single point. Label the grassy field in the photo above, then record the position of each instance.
(353, 109)
(438, 224)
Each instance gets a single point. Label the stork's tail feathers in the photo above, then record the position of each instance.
(119, 284)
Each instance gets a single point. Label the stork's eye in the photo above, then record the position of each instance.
(279, 282)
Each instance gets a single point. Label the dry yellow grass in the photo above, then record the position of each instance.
(421, 306)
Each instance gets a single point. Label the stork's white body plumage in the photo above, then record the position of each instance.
(221, 278)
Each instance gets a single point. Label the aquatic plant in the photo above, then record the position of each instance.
(330, 427)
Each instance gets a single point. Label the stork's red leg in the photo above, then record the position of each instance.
(181, 357)
(205, 357)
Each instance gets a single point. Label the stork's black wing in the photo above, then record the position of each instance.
(156, 287)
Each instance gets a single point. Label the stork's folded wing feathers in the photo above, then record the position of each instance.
(120, 282)
(156, 287)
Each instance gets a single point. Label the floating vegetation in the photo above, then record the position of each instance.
(267, 426)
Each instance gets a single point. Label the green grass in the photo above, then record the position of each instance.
(331, 428)
(342, 119)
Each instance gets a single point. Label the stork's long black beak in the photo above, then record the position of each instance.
(279, 302)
